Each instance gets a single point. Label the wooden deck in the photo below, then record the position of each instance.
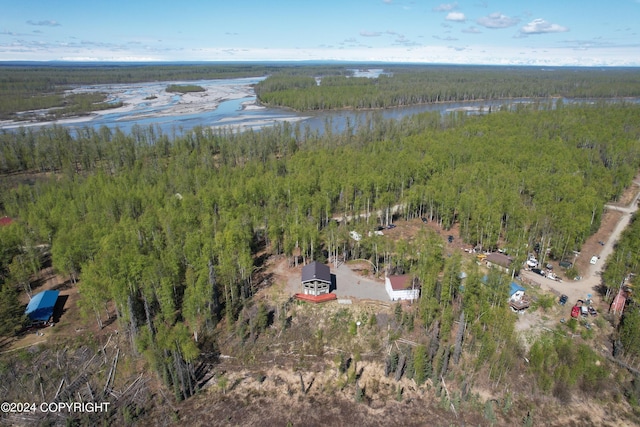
(316, 299)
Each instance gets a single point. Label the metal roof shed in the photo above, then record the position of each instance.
(515, 288)
(40, 308)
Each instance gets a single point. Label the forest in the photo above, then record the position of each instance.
(413, 85)
(164, 234)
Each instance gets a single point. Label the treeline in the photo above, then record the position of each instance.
(411, 86)
(162, 233)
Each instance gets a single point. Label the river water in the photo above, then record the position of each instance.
(231, 103)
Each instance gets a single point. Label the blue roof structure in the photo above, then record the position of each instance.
(515, 288)
(40, 308)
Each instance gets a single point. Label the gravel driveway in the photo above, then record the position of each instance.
(349, 284)
(587, 285)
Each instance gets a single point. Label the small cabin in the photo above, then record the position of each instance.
(518, 300)
(316, 279)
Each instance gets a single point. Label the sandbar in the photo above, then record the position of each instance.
(146, 100)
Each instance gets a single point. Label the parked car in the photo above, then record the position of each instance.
(450, 238)
(538, 271)
(575, 311)
(563, 299)
(424, 219)
(390, 226)
(565, 264)
(594, 259)
(592, 311)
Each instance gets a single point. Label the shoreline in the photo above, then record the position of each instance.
(142, 101)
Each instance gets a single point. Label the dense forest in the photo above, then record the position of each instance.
(410, 86)
(164, 234)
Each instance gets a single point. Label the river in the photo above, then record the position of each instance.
(229, 103)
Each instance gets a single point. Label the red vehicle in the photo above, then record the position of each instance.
(575, 311)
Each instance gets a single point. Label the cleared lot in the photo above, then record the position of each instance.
(349, 283)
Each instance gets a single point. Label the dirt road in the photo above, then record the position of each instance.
(581, 289)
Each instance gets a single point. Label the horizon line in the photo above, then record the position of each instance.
(292, 61)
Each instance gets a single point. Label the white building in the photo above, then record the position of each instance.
(401, 288)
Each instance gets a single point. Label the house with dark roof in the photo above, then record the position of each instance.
(401, 288)
(500, 261)
(40, 308)
(316, 279)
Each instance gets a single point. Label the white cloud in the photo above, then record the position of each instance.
(567, 53)
(472, 30)
(423, 54)
(540, 26)
(497, 20)
(47, 23)
(448, 38)
(445, 7)
(456, 17)
(370, 33)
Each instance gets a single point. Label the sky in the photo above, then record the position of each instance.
(496, 32)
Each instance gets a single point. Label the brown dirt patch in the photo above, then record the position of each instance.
(69, 322)
(276, 397)
(630, 193)
(592, 246)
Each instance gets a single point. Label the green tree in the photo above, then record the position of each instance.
(421, 364)
(11, 311)
(629, 331)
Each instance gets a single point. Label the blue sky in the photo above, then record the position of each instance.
(541, 32)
